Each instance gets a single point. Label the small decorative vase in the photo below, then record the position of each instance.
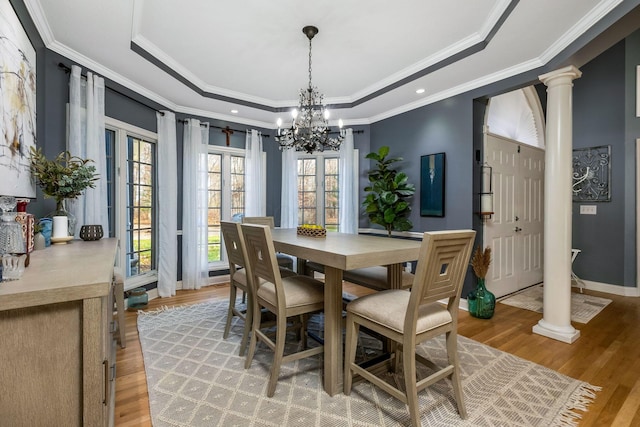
(62, 210)
(482, 303)
(39, 241)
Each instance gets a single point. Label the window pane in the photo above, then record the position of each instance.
(140, 247)
(215, 206)
(110, 146)
(307, 191)
(331, 186)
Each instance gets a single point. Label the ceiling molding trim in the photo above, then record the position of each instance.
(109, 74)
(454, 53)
(460, 89)
(37, 15)
(590, 19)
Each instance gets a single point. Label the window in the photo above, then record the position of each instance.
(226, 168)
(132, 199)
(318, 182)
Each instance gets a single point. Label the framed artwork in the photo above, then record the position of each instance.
(592, 174)
(432, 185)
(17, 105)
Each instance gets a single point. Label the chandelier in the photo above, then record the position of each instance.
(309, 129)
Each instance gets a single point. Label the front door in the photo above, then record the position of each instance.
(515, 232)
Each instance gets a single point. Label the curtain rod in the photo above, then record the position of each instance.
(67, 70)
(224, 129)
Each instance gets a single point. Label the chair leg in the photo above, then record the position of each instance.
(409, 367)
(351, 344)
(248, 320)
(281, 333)
(254, 335)
(452, 354)
(232, 304)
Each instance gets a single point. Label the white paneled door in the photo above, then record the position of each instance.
(515, 232)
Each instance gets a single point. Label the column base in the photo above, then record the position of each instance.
(565, 334)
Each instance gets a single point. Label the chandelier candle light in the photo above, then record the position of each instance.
(309, 129)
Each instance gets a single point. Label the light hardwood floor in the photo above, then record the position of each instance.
(607, 354)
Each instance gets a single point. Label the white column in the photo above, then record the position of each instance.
(556, 321)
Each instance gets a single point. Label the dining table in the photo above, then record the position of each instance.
(339, 252)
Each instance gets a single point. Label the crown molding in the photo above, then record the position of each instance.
(594, 16)
(37, 15)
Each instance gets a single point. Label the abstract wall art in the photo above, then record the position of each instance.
(432, 185)
(17, 105)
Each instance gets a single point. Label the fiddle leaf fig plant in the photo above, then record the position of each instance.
(387, 202)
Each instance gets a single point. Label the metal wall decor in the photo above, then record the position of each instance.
(592, 174)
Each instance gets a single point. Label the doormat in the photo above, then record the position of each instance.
(583, 307)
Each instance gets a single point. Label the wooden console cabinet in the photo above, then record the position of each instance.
(57, 354)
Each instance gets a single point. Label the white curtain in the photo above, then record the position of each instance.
(348, 193)
(254, 185)
(167, 204)
(86, 140)
(195, 231)
(289, 196)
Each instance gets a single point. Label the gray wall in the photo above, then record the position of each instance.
(598, 119)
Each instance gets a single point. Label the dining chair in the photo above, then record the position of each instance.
(283, 260)
(285, 297)
(238, 279)
(411, 317)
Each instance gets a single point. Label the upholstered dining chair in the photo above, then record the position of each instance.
(283, 260)
(411, 317)
(285, 297)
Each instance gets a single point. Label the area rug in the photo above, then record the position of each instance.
(583, 307)
(195, 378)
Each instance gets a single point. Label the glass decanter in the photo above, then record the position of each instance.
(11, 237)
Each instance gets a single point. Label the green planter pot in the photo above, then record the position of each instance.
(482, 303)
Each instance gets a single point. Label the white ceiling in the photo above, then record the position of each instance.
(186, 55)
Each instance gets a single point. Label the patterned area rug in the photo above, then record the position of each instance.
(583, 307)
(195, 378)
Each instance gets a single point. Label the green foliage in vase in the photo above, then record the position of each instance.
(387, 202)
(64, 177)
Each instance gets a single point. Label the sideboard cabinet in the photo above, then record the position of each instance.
(57, 353)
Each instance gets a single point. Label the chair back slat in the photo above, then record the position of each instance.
(261, 220)
(233, 243)
(261, 253)
(441, 269)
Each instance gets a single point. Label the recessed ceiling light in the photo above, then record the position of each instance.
(234, 111)
(419, 91)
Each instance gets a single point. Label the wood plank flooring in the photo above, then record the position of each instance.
(607, 354)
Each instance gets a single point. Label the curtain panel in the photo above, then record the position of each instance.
(167, 204)
(255, 197)
(86, 140)
(348, 188)
(195, 230)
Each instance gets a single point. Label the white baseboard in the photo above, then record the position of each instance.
(627, 291)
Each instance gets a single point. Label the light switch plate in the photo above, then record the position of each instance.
(588, 209)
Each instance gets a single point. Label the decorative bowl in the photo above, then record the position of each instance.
(91, 232)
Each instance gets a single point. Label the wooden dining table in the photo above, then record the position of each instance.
(339, 252)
